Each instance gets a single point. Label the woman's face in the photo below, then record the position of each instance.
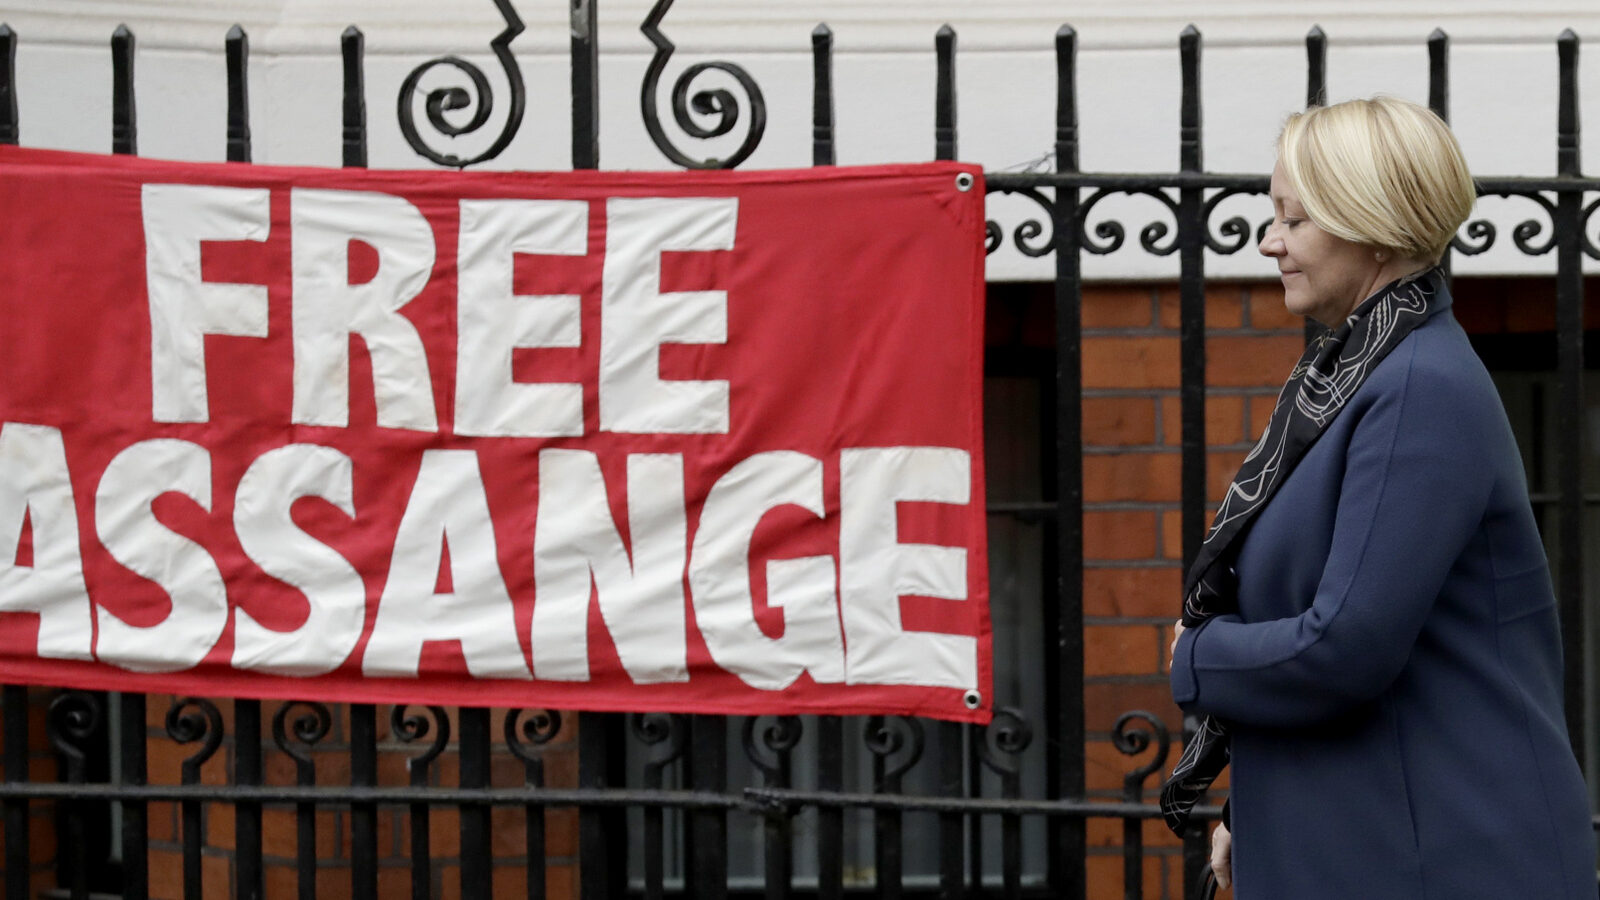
(1324, 276)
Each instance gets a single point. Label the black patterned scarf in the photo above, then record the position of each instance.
(1332, 369)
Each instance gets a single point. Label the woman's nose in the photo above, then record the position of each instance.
(1271, 244)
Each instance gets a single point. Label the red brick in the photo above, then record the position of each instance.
(329, 767)
(392, 766)
(561, 832)
(1110, 477)
(1172, 421)
(508, 831)
(1130, 362)
(332, 765)
(1106, 882)
(1105, 701)
(1121, 649)
(510, 881)
(1117, 306)
(162, 821)
(166, 874)
(1103, 832)
(1267, 311)
(1107, 832)
(448, 766)
(332, 883)
(561, 882)
(1143, 592)
(1119, 534)
(216, 877)
(155, 712)
(444, 832)
(280, 833)
(394, 881)
(1221, 466)
(1171, 534)
(1118, 421)
(1224, 420)
(1260, 414)
(1224, 306)
(561, 763)
(1251, 361)
(43, 766)
(42, 830)
(219, 821)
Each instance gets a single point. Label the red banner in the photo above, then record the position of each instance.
(696, 442)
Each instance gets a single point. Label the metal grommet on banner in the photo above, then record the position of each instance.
(964, 182)
(972, 699)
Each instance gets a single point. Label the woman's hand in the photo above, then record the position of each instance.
(1177, 632)
(1222, 855)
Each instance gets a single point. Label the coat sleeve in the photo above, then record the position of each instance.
(1413, 493)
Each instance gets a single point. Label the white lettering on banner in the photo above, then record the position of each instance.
(184, 309)
(131, 534)
(328, 308)
(34, 485)
(335, 595)
(575, 539)
(578, 558)
(636, 317)
(448, 503)
(876, 570)
(492, 320)
(719, 577)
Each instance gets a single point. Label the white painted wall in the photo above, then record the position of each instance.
(1503, 65)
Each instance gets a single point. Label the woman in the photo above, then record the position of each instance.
(1369, 628)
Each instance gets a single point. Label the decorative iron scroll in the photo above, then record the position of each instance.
(665, 734)
(1004, 740)
(889, 736)
(311, 723)
(73, 718)
(1236, 228)
(480, 100)
(717, 102)
(410, 729)
(192, 719)
(1132, 743)
(779, 737)
(1481, 233)
(1025, 237)
(540, 727)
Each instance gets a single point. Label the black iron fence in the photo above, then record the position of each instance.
(930, 805)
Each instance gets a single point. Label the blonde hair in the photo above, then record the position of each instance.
(1383, 172)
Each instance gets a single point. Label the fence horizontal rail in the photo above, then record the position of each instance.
(1006, 181)
(753, 800)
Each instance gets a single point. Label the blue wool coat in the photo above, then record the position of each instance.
(1393, 677)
